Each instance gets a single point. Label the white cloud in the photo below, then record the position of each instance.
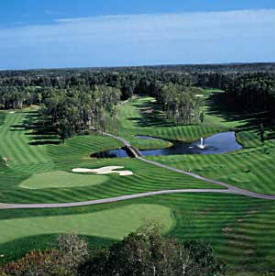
(146, 38)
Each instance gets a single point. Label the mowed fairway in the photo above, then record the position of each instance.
(14, 143)
(113, 223)
(251, 168)
(43, 173)
(241, 229)
(135, 121)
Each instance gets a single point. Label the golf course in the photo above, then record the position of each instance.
(37, 175)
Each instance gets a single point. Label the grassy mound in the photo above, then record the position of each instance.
(61, 179)
(134, 121)
(114, 223)
(28, 162)
(234, 225)
(250, 168)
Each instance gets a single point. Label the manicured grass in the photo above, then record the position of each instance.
(145, 178)
(28, 162)
(241, 229)
(250, 168)
(60, 179)
(114, 223)
(135, 122)
(14, 143)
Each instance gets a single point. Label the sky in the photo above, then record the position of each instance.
(91, 33)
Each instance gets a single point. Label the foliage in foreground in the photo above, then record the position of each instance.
(145, 253)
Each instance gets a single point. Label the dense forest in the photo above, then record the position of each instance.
(74, 100)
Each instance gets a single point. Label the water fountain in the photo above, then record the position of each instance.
(216, 144)
(201, 145)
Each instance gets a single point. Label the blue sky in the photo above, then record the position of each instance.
(80, 33)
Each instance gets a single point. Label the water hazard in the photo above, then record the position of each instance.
(216, 144)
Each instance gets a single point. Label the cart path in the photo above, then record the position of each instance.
(233, 189)
(230, 189)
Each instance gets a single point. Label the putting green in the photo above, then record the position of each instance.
(113, 223)
(61, 179)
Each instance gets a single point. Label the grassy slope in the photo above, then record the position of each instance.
(135, 122)
(122, 221)
(250, 168)
(26, 163)
(61, 179)
(233, 225)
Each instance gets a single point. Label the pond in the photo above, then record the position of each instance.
(216, 144)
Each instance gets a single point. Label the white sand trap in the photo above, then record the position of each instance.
(11, 112)
(6, 159)
(148, 111)
(104, 170)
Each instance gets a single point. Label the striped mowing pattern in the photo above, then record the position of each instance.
(26, 160)
(241, 229)
(14, 143)
(146, 178)
(135, 122)
(252, 169)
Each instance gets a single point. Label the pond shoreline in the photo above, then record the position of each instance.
(219, 143)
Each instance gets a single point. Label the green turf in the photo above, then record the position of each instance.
(251, 168)
(26, 163)
(60, 179)
(113, 223)
(135, 122)
(241, 229)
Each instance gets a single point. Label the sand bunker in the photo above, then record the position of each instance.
(148, 111)
(104, 170)
(6, 159)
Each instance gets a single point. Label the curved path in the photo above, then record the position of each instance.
(230, 188)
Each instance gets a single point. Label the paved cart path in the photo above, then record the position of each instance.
(230, 189)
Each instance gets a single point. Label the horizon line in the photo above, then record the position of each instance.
(145, 65)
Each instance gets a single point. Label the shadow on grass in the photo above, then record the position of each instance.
(151, 116)
(18, 248)
(2, 118)
(220, 104)
(40, 133)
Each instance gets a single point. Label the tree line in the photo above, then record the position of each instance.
(75, 99)
(180, 103)
(253, 93)
(72, 111)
